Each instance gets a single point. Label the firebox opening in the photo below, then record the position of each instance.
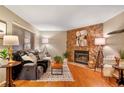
(81, 56)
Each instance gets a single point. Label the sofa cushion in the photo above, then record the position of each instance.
(29, 64)
(28, 72)
(47, 58)
(121, 65)
(27, 58)
(108, 70)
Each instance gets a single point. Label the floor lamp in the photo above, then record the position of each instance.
(10, 40)
(100, 42)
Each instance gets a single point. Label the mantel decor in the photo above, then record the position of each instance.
(81, 38)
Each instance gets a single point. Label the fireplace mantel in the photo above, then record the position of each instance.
(95, 31)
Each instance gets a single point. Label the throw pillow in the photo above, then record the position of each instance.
(41, 55)
(27, 58)
(34, 58)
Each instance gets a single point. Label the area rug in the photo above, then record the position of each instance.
(66, 76)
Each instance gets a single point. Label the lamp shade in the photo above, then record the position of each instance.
(45, 40)
(100, 41)
(10, 40)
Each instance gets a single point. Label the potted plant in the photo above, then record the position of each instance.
(3, 56)
(58, 59)
(65, 55)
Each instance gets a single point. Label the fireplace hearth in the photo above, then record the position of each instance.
(81, 56)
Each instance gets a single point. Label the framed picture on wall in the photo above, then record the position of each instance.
(81, 38)
(3, 28)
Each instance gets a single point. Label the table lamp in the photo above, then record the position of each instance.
(10, 40)
(100, 42)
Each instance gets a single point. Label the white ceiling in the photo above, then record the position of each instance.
(64, 17)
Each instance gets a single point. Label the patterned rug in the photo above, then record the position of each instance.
(66, 76)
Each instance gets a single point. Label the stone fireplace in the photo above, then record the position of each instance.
(81, 56)
(86, 53)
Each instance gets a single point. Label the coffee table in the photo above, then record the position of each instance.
(57, 66)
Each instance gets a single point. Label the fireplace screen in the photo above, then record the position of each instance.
(81, 56)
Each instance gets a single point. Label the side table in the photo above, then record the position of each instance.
(9, 81)
(121, 75)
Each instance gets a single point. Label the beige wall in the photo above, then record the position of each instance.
(10, 18)
(57, 42)
(114, 42)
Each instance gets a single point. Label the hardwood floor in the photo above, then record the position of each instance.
(84, 77)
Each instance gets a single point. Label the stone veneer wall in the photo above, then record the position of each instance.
(93, 31)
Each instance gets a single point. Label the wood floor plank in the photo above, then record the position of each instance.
(83, 77)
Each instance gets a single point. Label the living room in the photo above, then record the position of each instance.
(88, 43)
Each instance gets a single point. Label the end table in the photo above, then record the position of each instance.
(9, 81)
(121, 74)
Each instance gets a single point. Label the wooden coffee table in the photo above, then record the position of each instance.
(56, 66)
